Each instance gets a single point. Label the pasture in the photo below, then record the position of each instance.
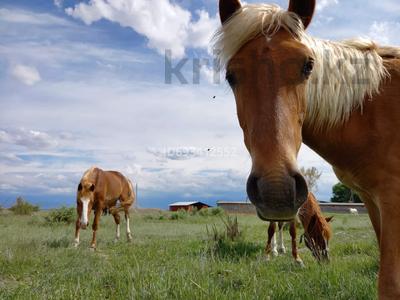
(177, 259)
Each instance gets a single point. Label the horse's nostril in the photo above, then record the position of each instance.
(252, 187)
(301, 188)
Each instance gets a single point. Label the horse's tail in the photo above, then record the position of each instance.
(131, 192)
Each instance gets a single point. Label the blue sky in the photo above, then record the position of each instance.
(82, 83)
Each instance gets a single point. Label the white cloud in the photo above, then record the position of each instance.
(27, 17)
(58, 3)
(386, 6)
(45, 184)
(9, 158)
(66, 52)
(322, 4)
(200, 32)
(385, 32)
(177, 153)
(30, 139)
(164, 24)
(26, 74)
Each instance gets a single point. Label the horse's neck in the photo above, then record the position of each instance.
(347, 147)
(369, 132)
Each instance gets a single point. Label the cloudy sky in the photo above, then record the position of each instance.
(84, 83)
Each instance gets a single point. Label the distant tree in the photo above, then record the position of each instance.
(311, 175)
(22, 207)
(343, 194)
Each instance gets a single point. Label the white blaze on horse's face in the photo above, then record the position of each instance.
(85, 212)
(85, 202)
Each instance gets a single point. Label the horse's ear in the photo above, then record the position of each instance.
(227, 8)
(304, 9)
(329, 219)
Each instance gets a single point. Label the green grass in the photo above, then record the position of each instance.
(171, 259)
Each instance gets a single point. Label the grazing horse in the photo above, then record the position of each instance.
(101, 190)
(317, 232)
(353, 211)
(342, 99)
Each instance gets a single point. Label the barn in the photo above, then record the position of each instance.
(187, 206)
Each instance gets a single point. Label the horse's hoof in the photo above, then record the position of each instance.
(282, 250)
(129, 237)
(92, 248)
(116, 240)
(300, 263)
(274, 253)
(267, 257)
(75, 244)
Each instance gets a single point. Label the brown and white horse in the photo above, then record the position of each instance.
(101, 190)
(317, 232)
(341, 98)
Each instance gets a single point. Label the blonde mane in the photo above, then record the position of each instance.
(345, 73)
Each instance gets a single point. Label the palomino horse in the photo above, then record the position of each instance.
(341, 98)
(317, 232)
(101, 190)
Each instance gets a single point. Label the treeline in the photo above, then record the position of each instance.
(343, 194)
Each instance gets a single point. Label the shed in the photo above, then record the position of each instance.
(332, 207)
(187, 206)
(241, 207)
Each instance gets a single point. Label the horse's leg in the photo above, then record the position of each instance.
(374, 214)
(77, 231)
(271, 244)
(292, 231)
(128, 229)
(127, 198)
(95, 227)
(389, 272)
(78, 224)
(117, 220)
(281, 245)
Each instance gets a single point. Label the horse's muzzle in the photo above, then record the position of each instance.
(84, 226)
(277, 199)
(325, 256)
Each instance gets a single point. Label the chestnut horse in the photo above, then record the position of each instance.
(341, 98)
(317, 232)
(101, 190)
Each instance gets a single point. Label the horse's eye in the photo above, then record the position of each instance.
(231, 79)
(80, 187)
(308, 68)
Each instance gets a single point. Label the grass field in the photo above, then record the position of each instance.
(175, 259)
